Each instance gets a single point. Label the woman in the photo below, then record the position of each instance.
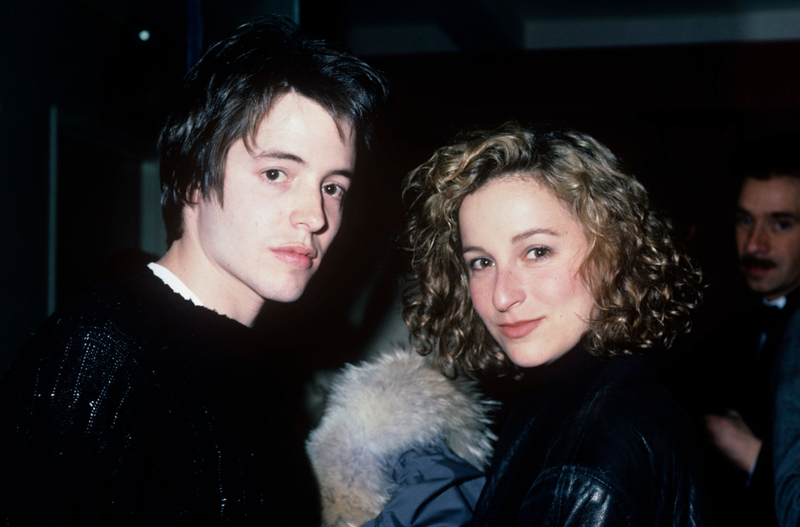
(534, 251)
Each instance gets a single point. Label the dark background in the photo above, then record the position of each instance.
(672, 89)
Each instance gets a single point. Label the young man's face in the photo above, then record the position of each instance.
(768, 234)
(282, 206)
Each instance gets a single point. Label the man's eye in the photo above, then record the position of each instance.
(783, 225)
(477, 264)
(743, 221)
(275, 174)
(334, 190)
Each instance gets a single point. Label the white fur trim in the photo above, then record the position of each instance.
(380, 409)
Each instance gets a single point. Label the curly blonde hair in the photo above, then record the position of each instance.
(645, 288)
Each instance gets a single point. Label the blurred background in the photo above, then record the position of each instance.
(671, 86)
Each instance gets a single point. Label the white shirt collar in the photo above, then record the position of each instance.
(174, 283)
(780, 302)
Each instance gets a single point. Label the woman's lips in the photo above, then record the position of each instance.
(517, 330)
(298, 256)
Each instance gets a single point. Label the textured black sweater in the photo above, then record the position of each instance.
(135, 407)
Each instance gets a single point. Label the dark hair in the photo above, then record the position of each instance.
(767, 157)
(230, 90)
(645, 289)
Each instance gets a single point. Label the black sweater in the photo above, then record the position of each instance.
(135, 407)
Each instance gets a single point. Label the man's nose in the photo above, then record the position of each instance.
(758, 241)
(309, 211)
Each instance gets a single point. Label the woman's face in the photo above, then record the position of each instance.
(524, 251)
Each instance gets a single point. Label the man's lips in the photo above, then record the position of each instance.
(517, 330)
(757, 272)
(756, 267)
(752, 262)
(298, 255)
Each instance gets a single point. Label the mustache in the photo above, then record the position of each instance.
(754, 262)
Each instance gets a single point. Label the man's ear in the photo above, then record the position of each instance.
(194, 196)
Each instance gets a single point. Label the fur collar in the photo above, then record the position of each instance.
(380, 409)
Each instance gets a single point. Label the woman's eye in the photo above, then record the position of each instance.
(275, 174)
(479, 263)
(538, 252)
(334, 190)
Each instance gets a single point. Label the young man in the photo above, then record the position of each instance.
(146, 402)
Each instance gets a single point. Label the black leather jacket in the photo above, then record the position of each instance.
(597, 443)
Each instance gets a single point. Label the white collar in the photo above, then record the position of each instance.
(780, 302)
(174, 283)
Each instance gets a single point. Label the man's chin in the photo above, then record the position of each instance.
(284, 295)
(288, 298)
(758, 280)
(759, 285)
(769, 290)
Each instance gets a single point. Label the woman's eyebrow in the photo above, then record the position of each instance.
(467, 249)
(531, 232)
(517, 238)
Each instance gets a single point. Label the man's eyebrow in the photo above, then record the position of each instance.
(775, 215)
(277, 154)
(783, 216)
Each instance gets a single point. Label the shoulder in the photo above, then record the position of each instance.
(629, 445)
(94, 350)
(125, 313)
(611, 446)
(103, 326)
(627, 423)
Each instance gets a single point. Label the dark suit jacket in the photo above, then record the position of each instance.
(731, 373)
(786, 425)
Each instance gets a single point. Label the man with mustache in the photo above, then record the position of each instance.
(148, 402)
(767, 232)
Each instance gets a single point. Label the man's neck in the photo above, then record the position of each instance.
(209, 284)
(175, 283)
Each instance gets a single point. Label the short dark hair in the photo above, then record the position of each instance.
(767, 157)
(230, 90)
(645, 288)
